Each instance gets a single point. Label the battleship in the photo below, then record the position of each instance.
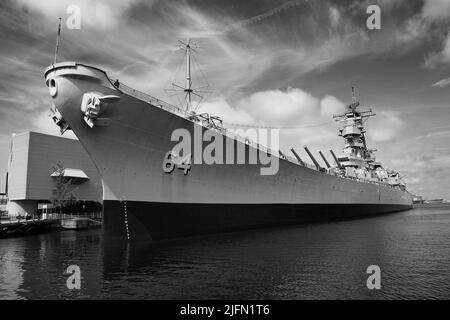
(127, 134)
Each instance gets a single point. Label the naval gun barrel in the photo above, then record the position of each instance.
(313, 159)
(325, 160)
(335, 159)
(298, 157)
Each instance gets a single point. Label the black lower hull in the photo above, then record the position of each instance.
(145, 220)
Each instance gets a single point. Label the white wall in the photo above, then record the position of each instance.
(34, 156)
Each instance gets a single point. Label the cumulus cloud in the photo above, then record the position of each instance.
(316, 137)
(289, 108)
(330, 106)
(229, 114)
(281, 107)
(385, 126)
(302, 118)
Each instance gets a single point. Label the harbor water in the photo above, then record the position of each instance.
(314, 261)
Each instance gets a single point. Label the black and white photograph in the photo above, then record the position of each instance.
(224, 155)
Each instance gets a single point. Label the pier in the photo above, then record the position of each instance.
(19, 227)
(80, 223)
(22, 227)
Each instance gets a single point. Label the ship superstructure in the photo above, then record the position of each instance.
(357, 160)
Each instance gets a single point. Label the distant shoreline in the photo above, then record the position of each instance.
(432, 205)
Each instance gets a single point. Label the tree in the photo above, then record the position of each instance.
(62, 194)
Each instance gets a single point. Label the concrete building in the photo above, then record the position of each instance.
(31, 181)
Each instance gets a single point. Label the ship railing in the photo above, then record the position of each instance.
(152, 100)
(368, 181)
(96, 215)
(168, 107)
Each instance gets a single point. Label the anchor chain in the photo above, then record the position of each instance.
(126, 218)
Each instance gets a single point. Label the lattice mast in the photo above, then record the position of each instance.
(188, 89)
(189, 47)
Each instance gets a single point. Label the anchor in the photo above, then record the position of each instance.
(95, 104)
(58, 119)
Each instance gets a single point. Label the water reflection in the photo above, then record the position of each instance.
(40, 262)
(11, 271)
(326, 260)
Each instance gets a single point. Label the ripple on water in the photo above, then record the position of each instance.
(315, 261)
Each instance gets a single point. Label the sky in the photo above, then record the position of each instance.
(285, 64)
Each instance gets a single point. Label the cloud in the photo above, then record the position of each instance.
(271, 107)
(441, 57)
(413, 180)
(436, 9)
(334, 16)
(318, 138)
(421, 172)
(430, 24)
(330, 106)
(260, 17)
(281, 107)
(104, 14)
(442, 83)
(385, 126)
(230, 115)
(412, 32)
(302, 118)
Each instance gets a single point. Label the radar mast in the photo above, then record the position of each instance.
(189, 47)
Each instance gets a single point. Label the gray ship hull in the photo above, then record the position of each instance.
(157, 221)
(143, 201)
